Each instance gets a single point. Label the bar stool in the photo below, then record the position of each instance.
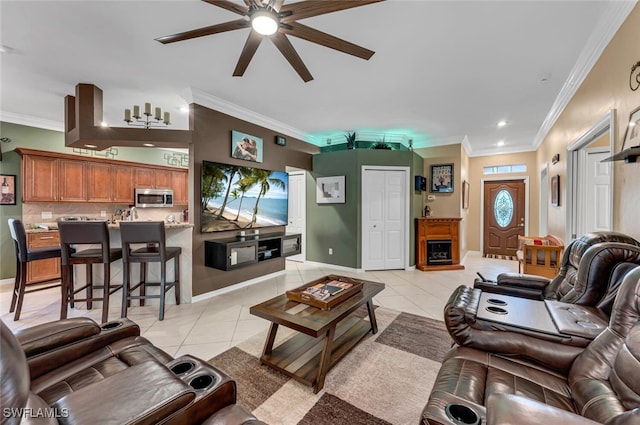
(23, 257)
(152, 234)
(86, 233)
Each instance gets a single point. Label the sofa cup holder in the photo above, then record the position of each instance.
(202, 382)
(461, 414)
(496, 310)
(496, 301)
(110, 325)
(183, 368)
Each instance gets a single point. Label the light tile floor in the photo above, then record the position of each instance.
(209, 327)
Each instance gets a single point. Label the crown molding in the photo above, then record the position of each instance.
(226, 107)
(604, 31)
(31, 121)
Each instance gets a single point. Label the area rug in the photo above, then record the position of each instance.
(385, 379)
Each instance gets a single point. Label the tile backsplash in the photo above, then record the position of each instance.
(33, 213)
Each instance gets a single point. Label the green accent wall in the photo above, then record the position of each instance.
(338, 226)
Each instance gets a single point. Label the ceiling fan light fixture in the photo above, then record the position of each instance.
(264, 22)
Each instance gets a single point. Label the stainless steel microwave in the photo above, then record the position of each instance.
(153, 198)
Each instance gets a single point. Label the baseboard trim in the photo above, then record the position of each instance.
(7, 282)
(239, 285)
(334, 266)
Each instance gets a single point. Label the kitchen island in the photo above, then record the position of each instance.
(177, 234)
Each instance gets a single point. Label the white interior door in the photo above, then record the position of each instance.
(596, 211)
(384, 218)
(298, 211)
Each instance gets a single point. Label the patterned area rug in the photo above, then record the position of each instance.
(385, 379)
(501, 257)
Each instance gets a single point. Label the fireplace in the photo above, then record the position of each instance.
(439, 252)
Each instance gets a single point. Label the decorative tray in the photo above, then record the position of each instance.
(326, 292)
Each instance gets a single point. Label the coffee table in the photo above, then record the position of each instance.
(324, 337)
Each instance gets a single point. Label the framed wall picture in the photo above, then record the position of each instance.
(465, 194)
(245, 146)
(330, 190)
(441, 178)
(7, 189)
(555, 190)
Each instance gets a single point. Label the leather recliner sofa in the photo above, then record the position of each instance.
(600, 385)
(74, 371)
(584, 271)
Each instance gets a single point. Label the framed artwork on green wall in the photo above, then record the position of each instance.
(330, 190)
(7, 189)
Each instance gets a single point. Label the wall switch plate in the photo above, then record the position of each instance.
(46, 214)
(330, 251)
(431, 197)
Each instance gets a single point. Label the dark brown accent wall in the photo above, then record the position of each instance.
(212, 142)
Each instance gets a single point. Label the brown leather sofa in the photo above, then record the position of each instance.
(601, 384)
(74, 371)
(582, 279)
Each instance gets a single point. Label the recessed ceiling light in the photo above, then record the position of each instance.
(631, 124)
(502, 123)
(184, 109)
(149, 145)
(501, 143)
(91, 146)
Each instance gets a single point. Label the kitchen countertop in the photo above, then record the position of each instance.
(53, 227)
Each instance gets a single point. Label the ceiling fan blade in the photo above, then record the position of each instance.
(313, 35)
(250, 47)
(229, 5)
(201, 32)
(286, 48)
(307, 9)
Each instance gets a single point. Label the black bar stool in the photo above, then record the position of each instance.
(23, 257)
(86, 233)
(152, 234)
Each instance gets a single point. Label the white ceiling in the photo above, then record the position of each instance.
(444, 71)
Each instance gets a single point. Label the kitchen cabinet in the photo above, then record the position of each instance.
(40, 179)
(72, 184)
(57, 177)
(43, 270)
(109, 183)
(180, 185)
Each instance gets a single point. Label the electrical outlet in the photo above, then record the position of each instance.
(330, 251)
(431, 197)
(103, 213)
(46, 214)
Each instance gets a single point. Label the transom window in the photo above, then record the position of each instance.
(505, 169)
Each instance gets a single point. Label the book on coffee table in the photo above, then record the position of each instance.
(326, 292)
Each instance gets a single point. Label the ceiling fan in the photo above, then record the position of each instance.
(273, 19)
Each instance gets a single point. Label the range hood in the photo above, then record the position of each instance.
(628, 155)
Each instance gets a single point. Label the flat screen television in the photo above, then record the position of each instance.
(242, 198)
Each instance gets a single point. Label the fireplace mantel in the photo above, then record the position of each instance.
(437, 228)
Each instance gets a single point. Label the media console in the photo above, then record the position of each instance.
(242, 251)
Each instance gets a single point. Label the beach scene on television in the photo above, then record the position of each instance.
(238, 198)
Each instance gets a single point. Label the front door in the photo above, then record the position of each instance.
(504, 211)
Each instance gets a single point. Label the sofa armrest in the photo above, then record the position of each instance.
(51, 335)
(142, 394)
(51, 345)
(515, 284)
(509, 409)
(232, 415)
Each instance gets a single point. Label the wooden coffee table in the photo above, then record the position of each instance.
(325, 336)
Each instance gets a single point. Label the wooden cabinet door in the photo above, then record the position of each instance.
(144, 177)
(99, 183)
(43, 270)
(72, 183)
(40, 179)
(122, 184)
(180, 185)
(163, 179)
